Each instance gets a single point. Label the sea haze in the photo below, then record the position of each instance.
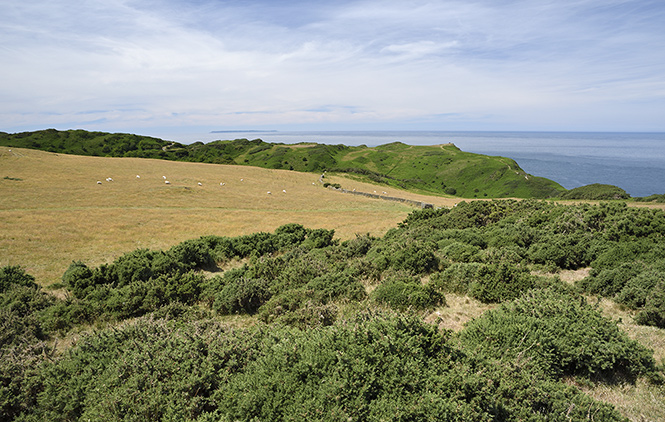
(632, 161)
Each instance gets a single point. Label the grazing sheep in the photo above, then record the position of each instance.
(269, 193)
(241, 180)
(108, 179)
(164, 177)
(138, 177)
(284, 190)
(200, 184)
(167, 182)
(99, 182)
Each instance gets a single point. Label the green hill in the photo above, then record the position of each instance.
(438, 169)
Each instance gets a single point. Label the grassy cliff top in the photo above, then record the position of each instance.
(435, 169)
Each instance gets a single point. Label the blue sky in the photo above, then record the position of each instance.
(162, 67)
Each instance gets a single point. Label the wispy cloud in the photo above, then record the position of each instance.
(131, 66)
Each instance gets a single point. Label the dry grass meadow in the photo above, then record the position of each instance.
(53, 211)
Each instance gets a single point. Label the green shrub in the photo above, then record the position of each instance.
(553, 331)
(609, 282)
(653, 312)
(78, 278)
(332, 286)
(636, 290)
(462, 252)
(402, 291)
(499, 282)
(15, 275)
(457, 278)
(242, 295)
(193, 254)
(596, 192)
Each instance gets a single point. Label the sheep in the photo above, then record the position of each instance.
(269, 193)
(242, 180)
(108, 179)
(200, 184)
(284, 190)
(99, 182)
(167, 182)
(164, 177)
(138, 177)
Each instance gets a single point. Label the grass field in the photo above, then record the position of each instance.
(52, 211)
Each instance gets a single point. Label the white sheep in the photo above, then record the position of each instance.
(269, 193)
(138, 177)
(242, 180)
(164, 177)
(99, 182)
(167, 182)
(284, 190)
(200, 184)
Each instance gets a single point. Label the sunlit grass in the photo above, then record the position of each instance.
(52, 211)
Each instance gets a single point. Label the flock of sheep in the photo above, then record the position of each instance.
(109, 179)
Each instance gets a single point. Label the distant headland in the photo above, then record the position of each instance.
(241, 131)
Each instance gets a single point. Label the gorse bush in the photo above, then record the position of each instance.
(370, 367)
(14, 275)
(558, 333)
(403, 291)
(309, 353)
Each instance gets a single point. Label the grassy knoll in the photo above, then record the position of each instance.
(435, 169)
(52, 210)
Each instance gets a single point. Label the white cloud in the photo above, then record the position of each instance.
(122, 65)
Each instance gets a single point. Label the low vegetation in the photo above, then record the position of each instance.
(334, 329)
(596, 192)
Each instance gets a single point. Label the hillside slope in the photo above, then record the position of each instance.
(438, 169)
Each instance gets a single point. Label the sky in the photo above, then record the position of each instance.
(164, 67)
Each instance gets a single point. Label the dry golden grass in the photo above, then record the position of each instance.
(458, 311)
(57, 213)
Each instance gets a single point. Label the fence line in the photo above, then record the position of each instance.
(420, 204)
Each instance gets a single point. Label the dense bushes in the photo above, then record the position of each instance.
(558, 333)
(370, 367)
(319, 359)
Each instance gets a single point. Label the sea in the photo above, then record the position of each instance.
(633, 161)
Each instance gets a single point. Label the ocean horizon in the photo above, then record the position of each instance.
(633, 161)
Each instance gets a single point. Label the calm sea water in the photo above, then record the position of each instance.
(632, 161)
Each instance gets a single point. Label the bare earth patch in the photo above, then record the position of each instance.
(459, 311)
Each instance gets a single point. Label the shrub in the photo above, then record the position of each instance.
(193, 254)
(242, 295)
(331, 286)
(558, 333)
(78, 278)
(406, 292)
(636, 290)
(596, 192)
(462, 252)
(457, 278)
(654, 309)
(15, 275)
(499, 282)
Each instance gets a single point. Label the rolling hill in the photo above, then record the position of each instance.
(437, 169)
